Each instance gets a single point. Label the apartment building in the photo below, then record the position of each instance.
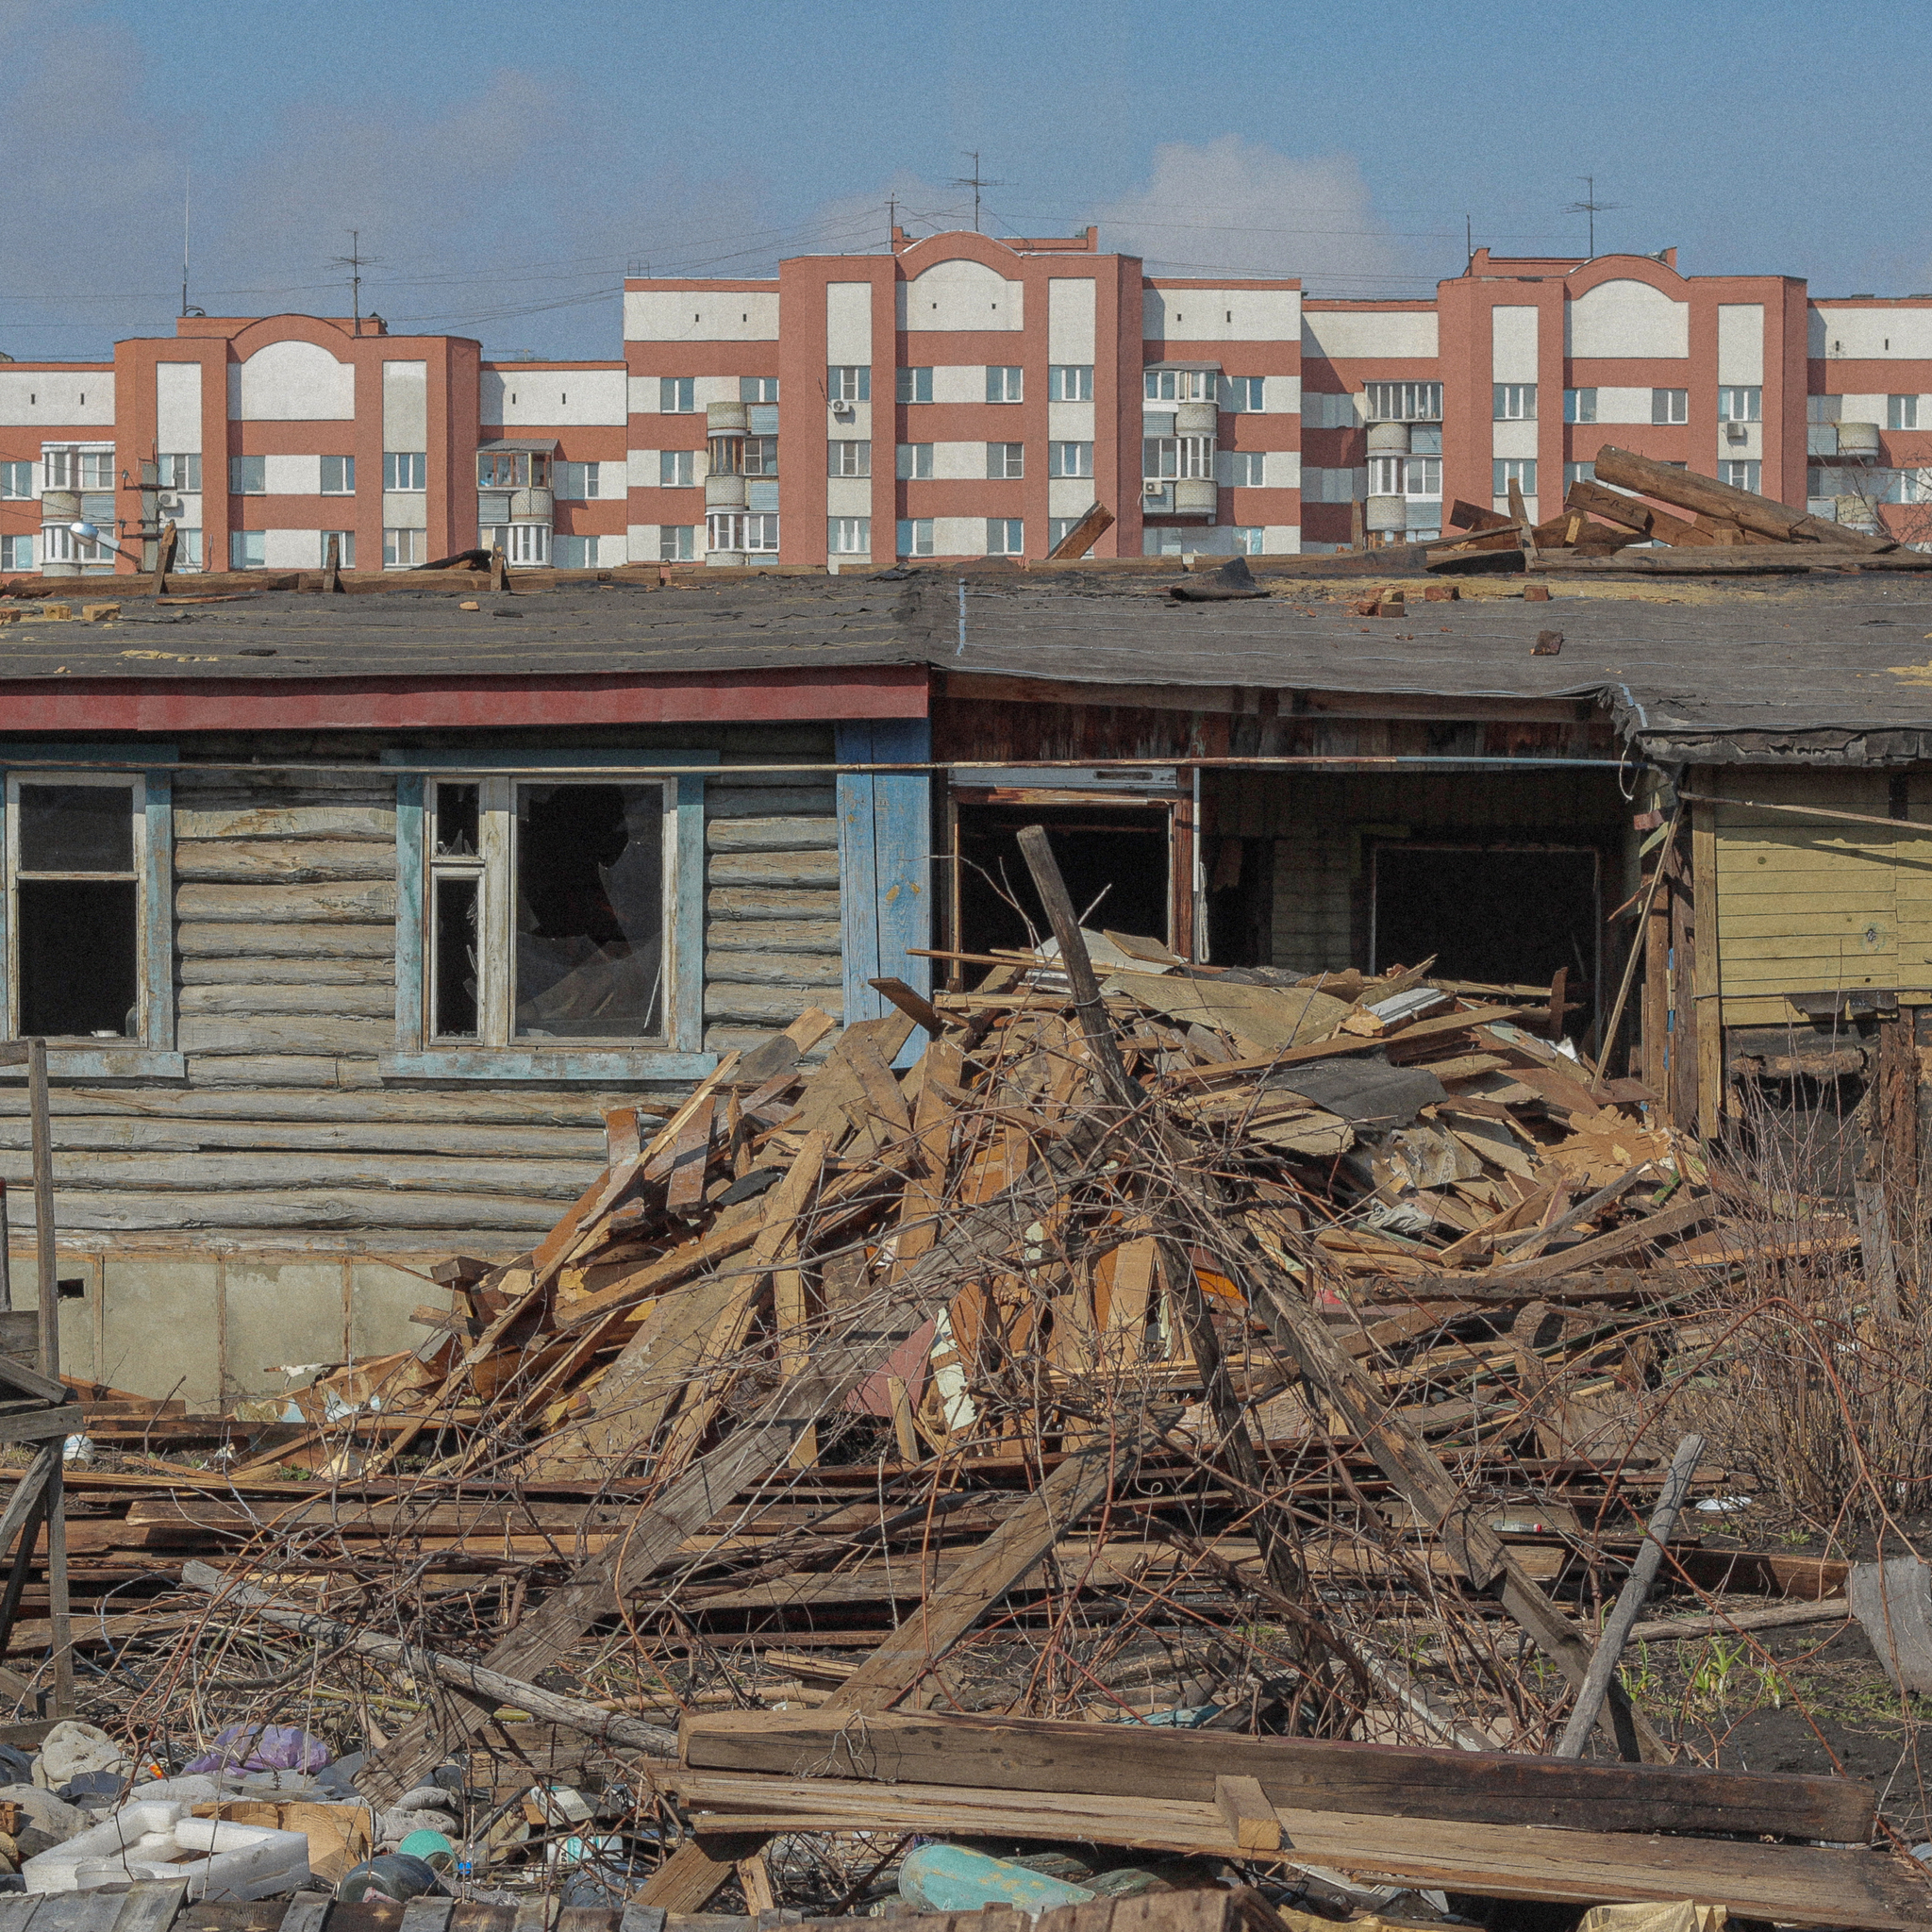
(963, 397)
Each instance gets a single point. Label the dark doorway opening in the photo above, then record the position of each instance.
(1505, 915)
(1120, 852)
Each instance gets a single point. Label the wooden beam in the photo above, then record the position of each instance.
(1704, 495)
(1252, 1822)
(1083, 536)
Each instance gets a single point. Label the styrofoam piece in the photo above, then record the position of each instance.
(147, 1841)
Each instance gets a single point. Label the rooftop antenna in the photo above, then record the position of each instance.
(187, 183)
(1591, 206)
(975, 182)
(355, 262)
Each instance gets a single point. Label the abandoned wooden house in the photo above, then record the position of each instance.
(347, 917)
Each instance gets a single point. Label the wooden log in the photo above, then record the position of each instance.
(366, 1001)
(285, 861)
(282, 1069)
(223, 815)
(771, 1005)
(1252, 1822)
(234, 970)
(243, 939)
(305, 1213)
(1632, 513)
(776, 969)
(767, 902)
(247, 1170)
(1784, 559)
(214, 1036)
(508, 1106)
(292, 904)
(787, 796)
(727, 935)
(446, 1140)
(788, 868)
(772, 835)
(1705, 496)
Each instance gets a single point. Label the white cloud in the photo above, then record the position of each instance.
(1238, 206)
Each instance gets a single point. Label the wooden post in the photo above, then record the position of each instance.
(1707, 977)
(47, 1268)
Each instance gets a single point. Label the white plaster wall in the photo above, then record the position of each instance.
(842, 428)
(1282, 395)
(692, 315)
(406, 405)
(1068, 496)
(1623, 405)
(43, 398)
(1862, 409)
(962, 294)
(293, 476)
(958, 535)
(292, 549)
(1232, 314)
(958, 462)
(1741, 342)
(1752, 444)
(848, 322)
(177, 407)
(1871, 333)
(1513, 438)
(1070, 422)
(1281, 540)
(291, 382)
(848, 496)
(584, 398)
(402, 510)
(1070, 307)
(959, 382)
(1343, 334)
(1512, 344)
(1626, 318)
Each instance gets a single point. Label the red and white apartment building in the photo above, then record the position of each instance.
(962, 397)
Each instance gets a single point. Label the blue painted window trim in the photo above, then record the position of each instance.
(884, 863)
(154, 1057)
(682, 1058)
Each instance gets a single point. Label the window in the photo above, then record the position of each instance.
(1579, 406)
(1519, 470)
(1901, 412)
(1422, 476)
(678, 396)
(915, 385)
(1003, 384)
(406, 468)
(915, 460)
(760, 456)
(58, 544)
(16, 482)
(17, 553)
(1669, 406)
(1005, 537)
(757, 388)
(1059, 529)
(1070, 382)
(188, 549)
(915, 537)
(849, 382)
(512, 469)
(677, 469)
(1404, 402)
(1163, 458)
(178, 472)
(1005, 462)
(1745, 476)
(1742, 405)
(677, 543)
(580, 482)
(1578, 473)
(574, 552)
(547, 910)
(1248, 539)
(1385, 475)
(1823, 409)
(344, 541)
(247, 476)
(72, 467)
(245, 550)
(402, 549)
(848, 457)
(1515, 401)
(754, 534)
(1163, 384)
(848, 536)
(1068, 460)
(338, 476)
(1244, 395)
(1250, 469)
(526, 545)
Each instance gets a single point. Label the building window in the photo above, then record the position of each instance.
(1070, 382)
(1578, 473)
(1244, 395)
(740, 530)
(574, 552)
(757, 388)
(1669, 406)
(338, 476)
(17, 553)
(677, 543)
(58, 544)
(1005, 537)
(1422, 476)
(1741, 404)
(678, 396)
(1519, 470)
(1003, 384)
(1247, 539)
(1514, 401)
(1005, 462)
(512, 469)
(1069, 458)
(1164, 457)
(181, 470)
(1162, 384)
(1901, 412)
(74, 466)
(245, 550)
(1250, 469)
(344, 541)
(678, 468)
(526, 545)
(760, 455)
(17, 482)
(1742, 476)
(402, 549)
(1059, 529)
(1404, 402)
(848, 536)
(848, 457)
(915, 462)
(247, 476)
(1823, 409)
(915, 385)
(404, 469)
(1579, 406)
(849, 382)
(1385, 475)
(915, 537)
(580, 482)
(188, 548)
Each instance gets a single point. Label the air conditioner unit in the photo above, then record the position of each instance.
(1153, 489)
(1737, 432)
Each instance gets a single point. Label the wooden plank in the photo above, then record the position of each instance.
(1706, 914)
(1252, 1822)
(285, 861)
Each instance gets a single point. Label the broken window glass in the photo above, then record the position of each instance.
(77, 912)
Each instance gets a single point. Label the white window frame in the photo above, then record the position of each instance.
(239, 542)
(914, 537)
(1005, 462)
(1669, 406)
(1012, 536)
(848, 536)
(58, 544)
(1518, 470)
(1741, 473)
(1421, 477)
(17, 481)
(1404, 402)
(678, 396)
(15, 540)
(337, 477)
(396, 541)
(571, 538)
(757, 388)
(1901, 412)
(1070, 459)
(1162, 382)
(345, 553)
(677, 469)
(1579, 406)
(1244, 395)
(915, 383)
(1248, 469)
(405, 472)
(1385, 475)
(579, 482)
(914, 462)
(677, 543)
(1513, 402)
(1005, 382)
(242, 478)
(1741, 403)
(1578, 473)
(759, 530)
(848, 382)
(525, 546)
(1249, 539)
(1070, 382)
(848, 455)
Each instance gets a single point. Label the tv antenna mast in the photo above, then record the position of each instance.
(1591, 206)
(355, 262)
(975, 181)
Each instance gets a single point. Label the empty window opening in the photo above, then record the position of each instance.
(76, 912)
(1115, 855)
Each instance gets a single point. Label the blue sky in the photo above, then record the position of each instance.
(506, 163)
